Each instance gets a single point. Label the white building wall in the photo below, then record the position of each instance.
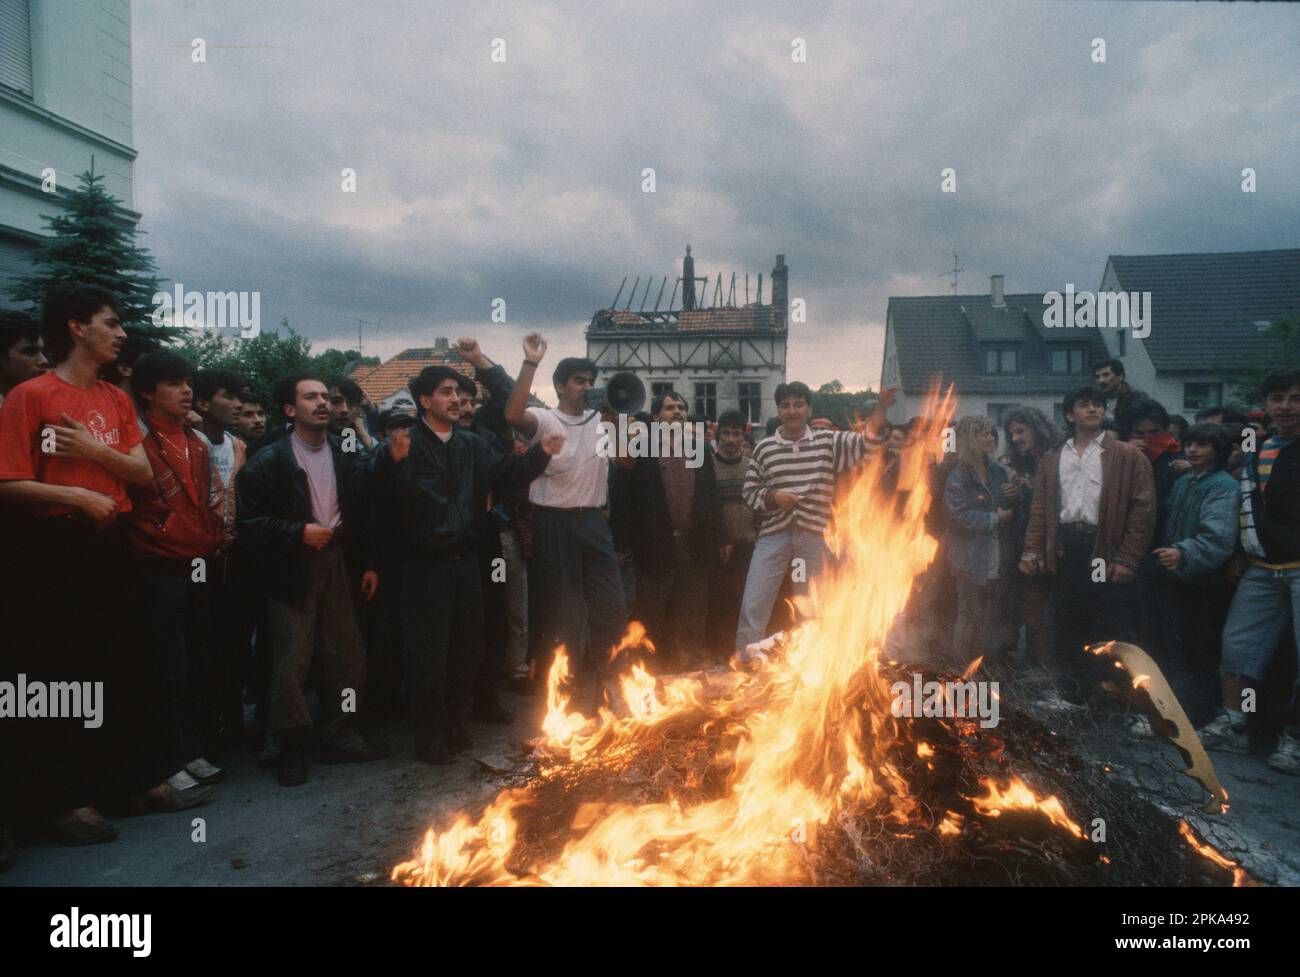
(80, 104)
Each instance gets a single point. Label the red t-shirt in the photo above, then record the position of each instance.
(106, 412)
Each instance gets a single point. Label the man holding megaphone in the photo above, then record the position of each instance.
(574, 563)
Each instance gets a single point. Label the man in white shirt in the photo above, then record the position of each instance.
(575, 566)
(1090, 525)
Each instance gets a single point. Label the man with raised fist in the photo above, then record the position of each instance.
(574, 562)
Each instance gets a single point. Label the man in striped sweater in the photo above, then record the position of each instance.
(790, 484)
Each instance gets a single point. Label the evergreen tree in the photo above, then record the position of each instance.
(93, 244)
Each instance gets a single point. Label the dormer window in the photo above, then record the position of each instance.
(1002, 360)
(1069, 361)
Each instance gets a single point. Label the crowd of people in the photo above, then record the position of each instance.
(302, 574)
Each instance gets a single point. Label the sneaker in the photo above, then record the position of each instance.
(205, 772)
(1224, 735)
(1286, 758)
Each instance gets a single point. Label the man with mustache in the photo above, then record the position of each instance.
(299, 507)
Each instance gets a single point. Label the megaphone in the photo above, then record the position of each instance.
(624, 395)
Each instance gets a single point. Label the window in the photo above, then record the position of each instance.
(660, 387)
(1198, 395)
(706, 401)
(16, 46)
(751, 401)
(1067, 361)
(1004, 359)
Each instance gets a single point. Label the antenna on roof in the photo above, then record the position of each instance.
(632, 294)
(614, 304)
(955, 271)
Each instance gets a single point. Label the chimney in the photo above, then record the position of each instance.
(441, 344)
(780, 292)
(688, 280)
(996, 290)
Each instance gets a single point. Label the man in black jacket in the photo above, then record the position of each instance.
(437, 494)
(299, 509)
(674, 514)
(1269, 592)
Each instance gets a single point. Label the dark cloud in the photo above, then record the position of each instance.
(522, 180)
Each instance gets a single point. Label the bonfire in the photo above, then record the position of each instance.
(792, 768)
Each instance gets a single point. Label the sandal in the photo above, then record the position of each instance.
(170, 800)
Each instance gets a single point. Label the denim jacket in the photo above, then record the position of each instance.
(976, 545)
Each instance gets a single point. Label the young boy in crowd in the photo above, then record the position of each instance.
(21, 356)
(1269, 590)
(1200, 534)
(790, 483)
(216, 401)
(174, 528)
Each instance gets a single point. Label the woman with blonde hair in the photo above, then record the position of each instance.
(977, 537)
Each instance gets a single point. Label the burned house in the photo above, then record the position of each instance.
(716, 347)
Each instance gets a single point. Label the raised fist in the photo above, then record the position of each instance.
(534, 346)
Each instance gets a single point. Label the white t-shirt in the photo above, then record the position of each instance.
(222, 455)
(575, 478)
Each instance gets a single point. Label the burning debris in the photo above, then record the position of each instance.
(793, 768)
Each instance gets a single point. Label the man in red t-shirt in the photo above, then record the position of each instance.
(69, 446)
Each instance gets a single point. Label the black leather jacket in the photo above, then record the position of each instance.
(438, 493)
(273, 506)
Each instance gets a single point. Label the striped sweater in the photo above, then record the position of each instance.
(807, 467)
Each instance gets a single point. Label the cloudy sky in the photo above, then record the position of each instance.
(522, 180)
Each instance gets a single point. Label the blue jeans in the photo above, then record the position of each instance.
(773, 555)
(1262, 606)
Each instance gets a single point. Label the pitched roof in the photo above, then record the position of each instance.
(382, 381)
(940, 336)
(1205, 307)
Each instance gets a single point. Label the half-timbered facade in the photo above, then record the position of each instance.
(722, 357)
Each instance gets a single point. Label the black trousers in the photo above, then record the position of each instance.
(580, 585)
(1088, 612)
(496, 630)
(442, 634)
(67, 612)
(172, 617)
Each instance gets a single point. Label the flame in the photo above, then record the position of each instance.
(1141, 680)
(1240, 877)
(1017, 796)
(808, 731)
